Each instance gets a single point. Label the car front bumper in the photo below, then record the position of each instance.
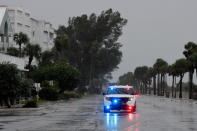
(119, 107)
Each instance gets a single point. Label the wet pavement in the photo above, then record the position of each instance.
(86, 114)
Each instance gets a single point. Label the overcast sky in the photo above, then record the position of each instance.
(155, 28)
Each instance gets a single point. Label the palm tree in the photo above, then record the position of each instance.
(190, 49)
(142, 77)
(145, 78)
(160, 67)
(181, 66)
(137, 75)
(126, 79)
(32, 51)
(152, 75)
(163, 70)
(20, 38)
(47, 58)
(172, 72)
(193, 59)
(156, 68)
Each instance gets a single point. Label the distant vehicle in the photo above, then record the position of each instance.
(120, 98)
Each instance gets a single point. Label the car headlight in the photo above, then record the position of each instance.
(131, 98)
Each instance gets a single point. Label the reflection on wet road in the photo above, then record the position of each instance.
(86, 114)
(112, 121)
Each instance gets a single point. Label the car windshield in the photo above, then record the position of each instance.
(129, 91)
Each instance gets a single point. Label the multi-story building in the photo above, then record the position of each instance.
(6, 33)
(14, 20)
(39, 31)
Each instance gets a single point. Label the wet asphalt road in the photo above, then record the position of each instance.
(86, 114)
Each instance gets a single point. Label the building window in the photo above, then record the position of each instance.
(11, 13)
(12, 24)
(33, 33)
(27, 26)
(51, 35)
(27, 14)
(19, 24)
(19, 12)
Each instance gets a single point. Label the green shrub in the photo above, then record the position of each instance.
(13, 51)
(48, 93)
(30, 104)
(66, 75)
(70, 94)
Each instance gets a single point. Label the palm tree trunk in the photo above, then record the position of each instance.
(165, 84)
(190, 84)
(154, 85)
(158, 78)
(172, 86)
(161, 83)
(149, 87)
(145, 88)
(20, 50)
(175, 88)
(180, 86)
(29, 63)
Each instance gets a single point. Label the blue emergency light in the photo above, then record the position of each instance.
(115, 101)
(111, 87)
(107, 107)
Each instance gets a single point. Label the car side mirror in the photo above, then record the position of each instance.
(104, 94)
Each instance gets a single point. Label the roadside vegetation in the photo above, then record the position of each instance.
(153, 80)
(85, 53)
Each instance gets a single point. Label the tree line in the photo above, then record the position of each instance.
(146, 79)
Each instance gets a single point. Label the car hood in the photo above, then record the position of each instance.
(119, 95)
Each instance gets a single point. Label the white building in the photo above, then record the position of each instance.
(6, 34)
(5, 29)
(39, 31)
(15, 20)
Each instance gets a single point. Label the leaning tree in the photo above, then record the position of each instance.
(160, 66)
(90, 43)
(190, 49)
(181, 66)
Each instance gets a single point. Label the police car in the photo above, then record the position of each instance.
(121, 98)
